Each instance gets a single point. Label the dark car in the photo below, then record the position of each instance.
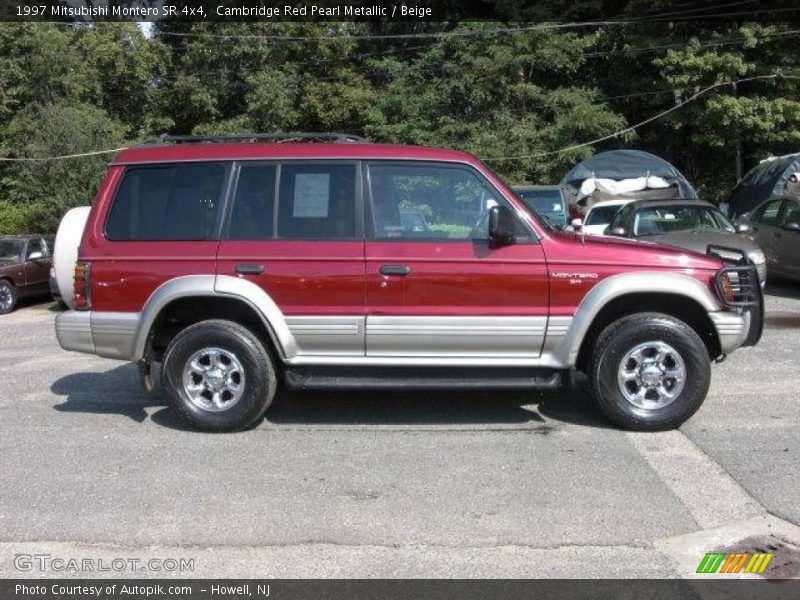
(547, 201)
(690, 224)
(24, 269)
(775, 226)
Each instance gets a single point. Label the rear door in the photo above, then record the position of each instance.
(296, 230)
(442, 290)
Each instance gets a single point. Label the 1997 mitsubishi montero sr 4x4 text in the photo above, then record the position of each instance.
(242, 265)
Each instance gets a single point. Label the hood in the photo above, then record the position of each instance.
(631, 253)
(699, 240)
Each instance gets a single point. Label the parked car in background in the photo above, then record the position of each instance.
(690, 224)
(775, 226)
(24, 269)
(547, 201)
(599, 216)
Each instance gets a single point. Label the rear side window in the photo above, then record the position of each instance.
(253, 203)
(168, 202)
(317, 201)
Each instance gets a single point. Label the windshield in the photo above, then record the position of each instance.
(602, 215)
(666, 219)
(10, 250)
(546, 203)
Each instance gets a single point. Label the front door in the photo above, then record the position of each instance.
(437, 288)
(764, 225)
(787, 240)
(294, 230)
(37, 266)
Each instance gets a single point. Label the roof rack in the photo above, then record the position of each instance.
(277, 138)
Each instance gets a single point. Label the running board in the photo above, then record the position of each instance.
(407, 378)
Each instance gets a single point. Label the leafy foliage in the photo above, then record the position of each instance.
(527, 95)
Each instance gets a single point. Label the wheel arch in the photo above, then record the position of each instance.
(184, 301)
(680, 296)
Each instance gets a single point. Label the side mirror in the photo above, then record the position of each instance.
(35, 256)
(501, 225)
(620, 231)
(742, 228)
(576, 224)
(792, 227)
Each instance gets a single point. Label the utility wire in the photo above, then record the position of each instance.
(497, 158)
(641, 123)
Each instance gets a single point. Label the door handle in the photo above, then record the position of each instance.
(397, 270)
(249, 269)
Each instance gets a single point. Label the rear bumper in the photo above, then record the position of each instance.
(74, 331)
(107, 334)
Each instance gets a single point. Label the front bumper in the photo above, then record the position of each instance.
(733, 328)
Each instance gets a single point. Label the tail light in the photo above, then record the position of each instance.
(83, 288)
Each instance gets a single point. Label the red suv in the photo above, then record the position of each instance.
(243, 265)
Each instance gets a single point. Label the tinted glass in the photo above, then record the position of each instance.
(428, 202)
(602, 215)
(50, 242)
(665, 219)
(10, 250)
(792, 213)
(546, 203)
(253, 203)
(317, 201)
(768, 214)
(35, 246)
(170, 202)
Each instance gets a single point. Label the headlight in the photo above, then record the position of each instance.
(757, 256)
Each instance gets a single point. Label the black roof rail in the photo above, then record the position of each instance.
(260, 137)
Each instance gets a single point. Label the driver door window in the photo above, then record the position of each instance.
(421, 202)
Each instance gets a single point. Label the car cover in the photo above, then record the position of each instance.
(772, 178)
(632, 168)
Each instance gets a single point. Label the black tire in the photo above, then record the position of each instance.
(259, 381)
(8, 296)
(624, 335)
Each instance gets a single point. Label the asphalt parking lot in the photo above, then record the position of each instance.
(396, 485)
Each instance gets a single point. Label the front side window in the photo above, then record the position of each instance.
(317, 201)
(791, 214)
(168, 202)
(768, 214)
(429, 202)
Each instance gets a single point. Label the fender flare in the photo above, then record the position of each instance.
(198, 286)
(616, 286)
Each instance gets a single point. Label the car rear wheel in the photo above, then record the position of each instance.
(649, 372)
(218, 376)
(8, 296)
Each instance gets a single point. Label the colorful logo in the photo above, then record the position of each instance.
(734, 562)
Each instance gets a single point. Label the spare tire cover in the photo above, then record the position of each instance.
(65, 253)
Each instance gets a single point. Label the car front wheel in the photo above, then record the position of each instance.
(218, 376)
(649, 372)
